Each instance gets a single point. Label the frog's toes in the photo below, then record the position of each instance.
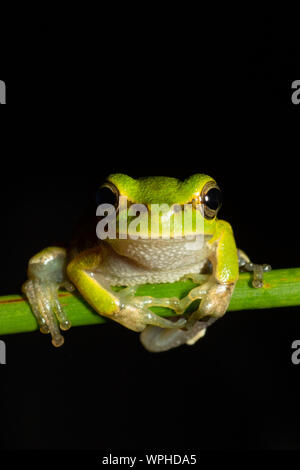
(257, 269)
(47, 309)
(156, 339)
(197, 336)
(258, 273)
(214, 304)
(137, 318)
(46, 276)
(30, 292)
(153, 319)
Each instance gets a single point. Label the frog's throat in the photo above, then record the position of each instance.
(135, 262)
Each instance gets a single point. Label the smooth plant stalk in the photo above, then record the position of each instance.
(281, 289)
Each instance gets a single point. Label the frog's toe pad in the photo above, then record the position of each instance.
(198, 336)
(43, 299)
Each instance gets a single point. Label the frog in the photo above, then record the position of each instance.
(107, 271)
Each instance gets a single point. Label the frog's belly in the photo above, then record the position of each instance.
(152, 262)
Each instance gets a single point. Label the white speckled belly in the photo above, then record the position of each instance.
(134, 262)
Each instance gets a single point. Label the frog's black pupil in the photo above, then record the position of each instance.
(106, 196)
(213, 199)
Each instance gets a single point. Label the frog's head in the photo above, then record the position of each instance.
(199, 192)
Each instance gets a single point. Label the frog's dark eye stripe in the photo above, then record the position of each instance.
(211, 199)
(108, 194)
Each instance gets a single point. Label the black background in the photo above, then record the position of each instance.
(164, 97)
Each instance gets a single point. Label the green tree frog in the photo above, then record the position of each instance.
(95, 269)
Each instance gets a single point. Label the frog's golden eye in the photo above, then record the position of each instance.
(211, 198)
(108, 194)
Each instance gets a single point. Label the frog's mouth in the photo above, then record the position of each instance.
(191, 242)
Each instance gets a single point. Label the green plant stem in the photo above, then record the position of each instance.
(281, 289)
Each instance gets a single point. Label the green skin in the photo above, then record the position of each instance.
(49, 271)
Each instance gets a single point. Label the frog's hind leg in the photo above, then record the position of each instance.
(156, 339)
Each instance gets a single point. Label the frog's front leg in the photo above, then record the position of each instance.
(47, 274)
(258, 269)
(85, 273)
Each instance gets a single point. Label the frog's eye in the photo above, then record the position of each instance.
(108, 194)
(212, 200)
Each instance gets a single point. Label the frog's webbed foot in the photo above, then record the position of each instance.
(156, 339)
(258, 269)
(134, 311)
(46, 274)
(215, 299)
